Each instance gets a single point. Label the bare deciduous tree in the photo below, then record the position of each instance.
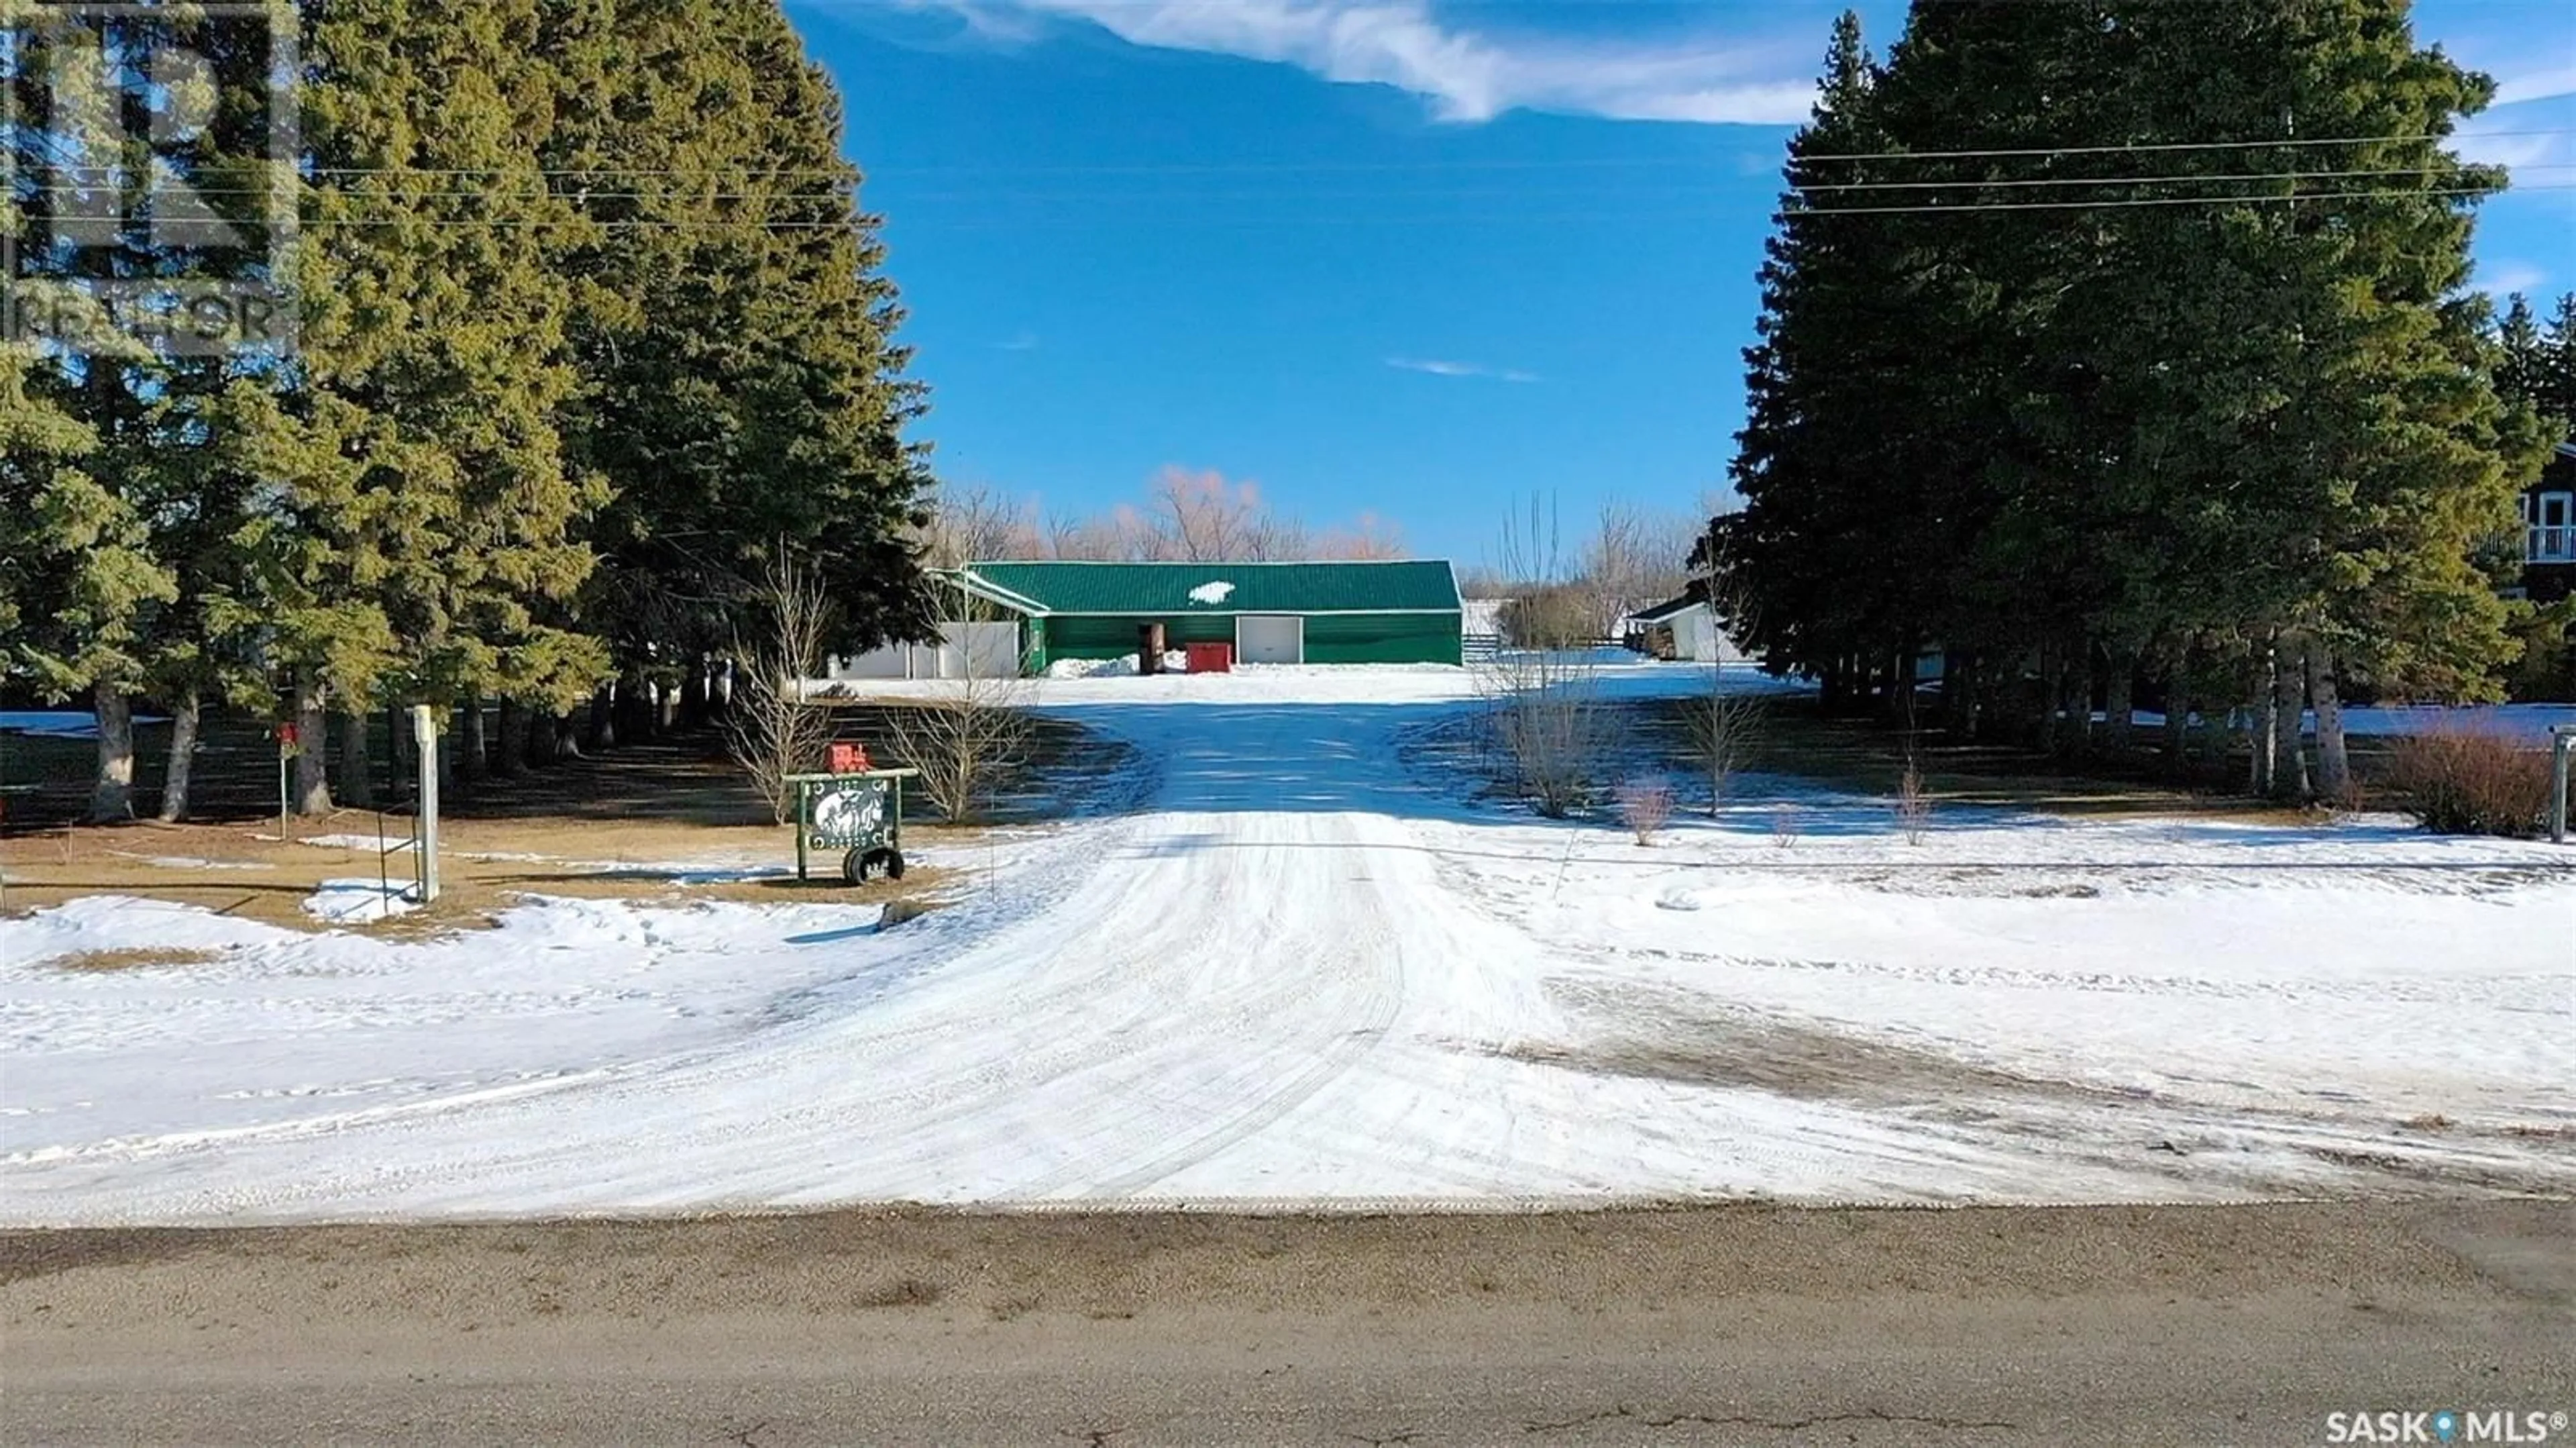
(771, 729)
(1542, 699)
(1725, 722)
(976, 522)
(971, 733)
(1633, 560)
(1913, 803)
(1371, 538)
(1202, 517)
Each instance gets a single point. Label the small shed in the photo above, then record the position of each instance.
(1395, 612)
(1683, 628)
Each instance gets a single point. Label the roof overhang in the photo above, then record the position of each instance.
(984, 588)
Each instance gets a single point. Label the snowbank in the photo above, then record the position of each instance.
(1122, 667)
(359, 902)
(2531, 722)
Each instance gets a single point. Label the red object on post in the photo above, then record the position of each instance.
(849, 758)
(1211, 658)
(286, 735)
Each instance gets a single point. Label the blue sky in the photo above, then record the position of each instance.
(1409, 257)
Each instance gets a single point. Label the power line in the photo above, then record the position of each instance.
(2249, 200)
(1381, 218)
(1980, 183)
(789, 198)
(2169, 146)
(1279, 167)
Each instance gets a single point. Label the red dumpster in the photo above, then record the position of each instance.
(1216, 658)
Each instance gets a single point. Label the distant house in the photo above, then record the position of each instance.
(1396, 612)
(1681, 628)
(2549, 529)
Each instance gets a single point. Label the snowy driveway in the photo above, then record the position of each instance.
(1304, 973)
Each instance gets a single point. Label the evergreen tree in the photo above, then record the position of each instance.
(106, 100)
(431, 504)
(1813, 382)
(2241, 436)
(2522, 355)
(743, 391)
(2553, 390)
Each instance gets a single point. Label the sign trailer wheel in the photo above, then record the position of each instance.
(858, 865)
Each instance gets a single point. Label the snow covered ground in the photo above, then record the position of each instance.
(1305, 972)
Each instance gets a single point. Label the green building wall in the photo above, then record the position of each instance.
(1348, 638)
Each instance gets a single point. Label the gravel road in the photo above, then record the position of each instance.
(2079, 1326)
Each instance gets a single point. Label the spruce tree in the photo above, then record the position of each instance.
(2554, 393)
(434, 544)
(742, 388)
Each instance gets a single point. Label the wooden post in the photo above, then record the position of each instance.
(424, 729)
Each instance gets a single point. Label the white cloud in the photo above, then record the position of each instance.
(2536, 85)
(2507, 277)
(1466, 75)
(1438, 367)
(1019, 342)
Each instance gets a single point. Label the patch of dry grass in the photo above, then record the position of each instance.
(486, 866)
(135, 958)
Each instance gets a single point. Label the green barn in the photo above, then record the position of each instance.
(1403, 612)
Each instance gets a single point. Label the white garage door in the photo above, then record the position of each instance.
(1270, 638)
(977, 650)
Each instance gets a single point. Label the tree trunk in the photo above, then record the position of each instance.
(2119, 713)
(475, 759)
(2334, 764)
(357, 771)
(2079, 706)
(693, 693)
(111, 795)
(632, 713)
(405, 751)
(567, 737)
(185, 714)
(669, 695)
(2052, 693)
(2177, 737)
(446, 722)
(2289, 688)
(312, 791)
(603, 718)
(2214, 738)
(2261, 734)
(510, 740)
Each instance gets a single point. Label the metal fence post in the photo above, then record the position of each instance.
(2562, 741)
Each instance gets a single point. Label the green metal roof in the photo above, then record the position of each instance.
(1164, 589)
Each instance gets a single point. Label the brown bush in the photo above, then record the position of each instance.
(1913, 805)
(2458, 782)
(1645, 805)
